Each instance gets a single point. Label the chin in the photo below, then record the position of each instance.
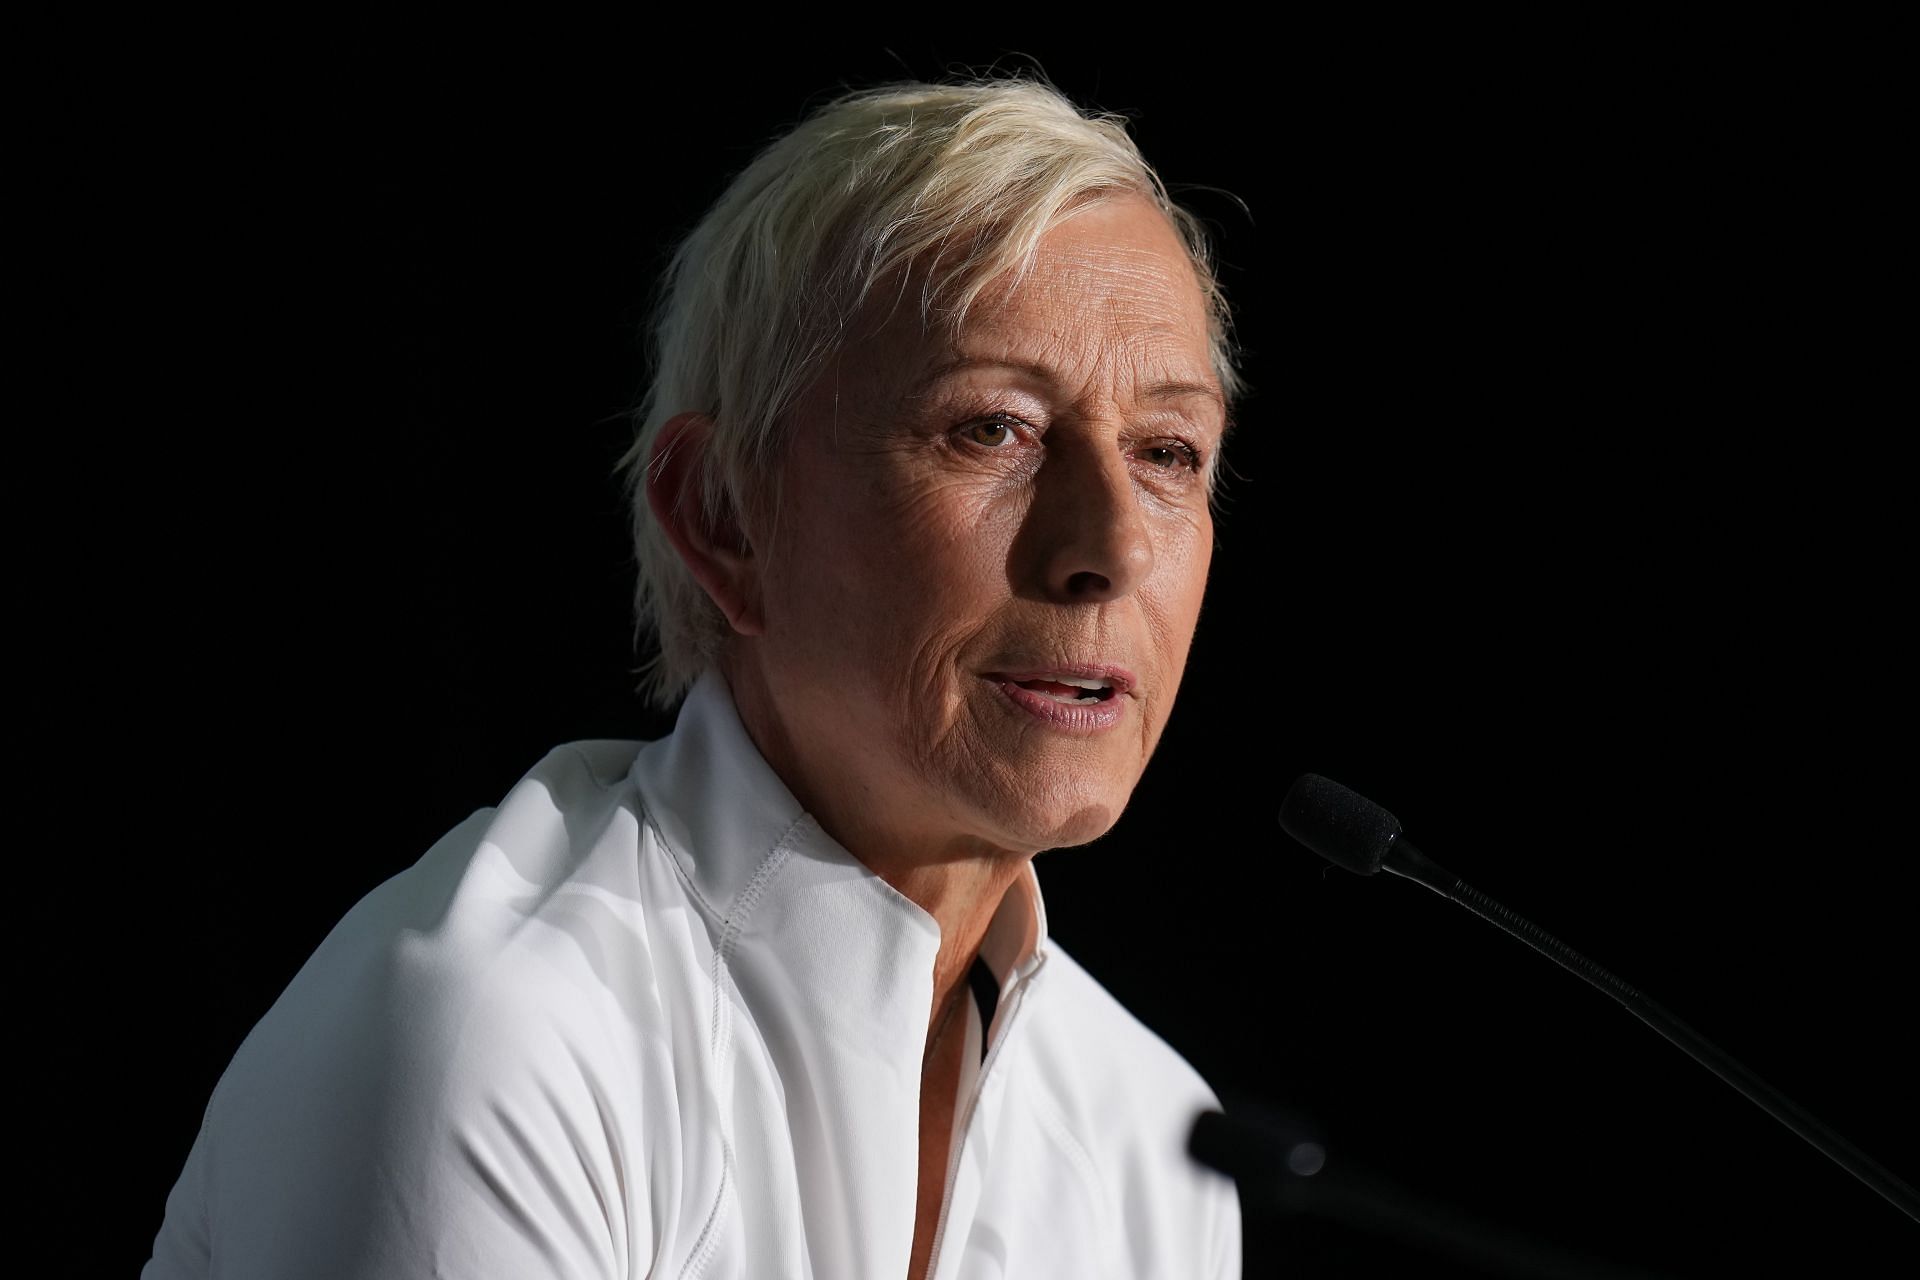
(1057, 823)
(1083, 827)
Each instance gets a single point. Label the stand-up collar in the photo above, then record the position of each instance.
(826, 970)
(724, 813)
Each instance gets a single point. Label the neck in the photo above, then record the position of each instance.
(962, 895)
(956, 878)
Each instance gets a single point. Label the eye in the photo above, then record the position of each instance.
(1169, 454)
(991, 433)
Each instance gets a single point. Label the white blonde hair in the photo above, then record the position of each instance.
(956, 182)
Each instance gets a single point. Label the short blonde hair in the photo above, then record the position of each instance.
(956, 182)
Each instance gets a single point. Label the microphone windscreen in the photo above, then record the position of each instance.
(1339, 824)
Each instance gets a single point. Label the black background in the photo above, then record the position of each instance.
(1565, 522)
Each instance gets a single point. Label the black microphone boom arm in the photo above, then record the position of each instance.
(1364, 838)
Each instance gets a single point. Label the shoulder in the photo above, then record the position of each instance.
(473, 1032)
(1129, 1100)
(1097, 1042)
(507, 919)
(505, 884)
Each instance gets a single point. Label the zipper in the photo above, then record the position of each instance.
(1012, 1008)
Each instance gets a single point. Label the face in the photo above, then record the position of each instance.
(978, 590)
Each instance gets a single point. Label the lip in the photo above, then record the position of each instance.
(1093, 717)
(1120, 677)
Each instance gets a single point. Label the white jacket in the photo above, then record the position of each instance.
(647, 1019)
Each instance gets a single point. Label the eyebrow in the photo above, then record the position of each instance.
(1170, 390)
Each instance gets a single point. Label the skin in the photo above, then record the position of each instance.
(1037, 506)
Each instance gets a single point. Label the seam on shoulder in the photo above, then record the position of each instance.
(719, 1023)
(720, 1038)
(769, 868)
(743, 904)
(675, 860)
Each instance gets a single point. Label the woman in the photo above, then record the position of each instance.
(921, 496)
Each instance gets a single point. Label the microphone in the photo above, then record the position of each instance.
(1256, 1146)
(1353, 832)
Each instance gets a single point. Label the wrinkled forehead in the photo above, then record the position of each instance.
(1109, 294)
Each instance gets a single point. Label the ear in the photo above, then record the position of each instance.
(716, 551)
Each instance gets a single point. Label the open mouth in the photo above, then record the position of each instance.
(1069, 689)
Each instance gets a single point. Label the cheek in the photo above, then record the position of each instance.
(1180, 583)
(939, 537)
(941, 577)
(906, 570)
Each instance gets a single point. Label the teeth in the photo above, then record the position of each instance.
(1079, 683)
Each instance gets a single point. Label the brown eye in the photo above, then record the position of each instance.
(992, 434)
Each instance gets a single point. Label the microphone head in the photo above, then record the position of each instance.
(1339, 824)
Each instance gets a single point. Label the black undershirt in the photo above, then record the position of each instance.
(986, 994)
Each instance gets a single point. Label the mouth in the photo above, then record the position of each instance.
(1076, 686)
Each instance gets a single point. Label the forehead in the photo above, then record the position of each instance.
(1111, 299)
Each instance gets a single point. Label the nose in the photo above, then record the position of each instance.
(1087, 527)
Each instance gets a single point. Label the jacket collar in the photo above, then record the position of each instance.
(832, 968)
(733, 826)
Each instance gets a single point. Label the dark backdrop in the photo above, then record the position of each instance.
(1563, 522)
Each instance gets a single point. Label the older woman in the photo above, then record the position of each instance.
(921, 496)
